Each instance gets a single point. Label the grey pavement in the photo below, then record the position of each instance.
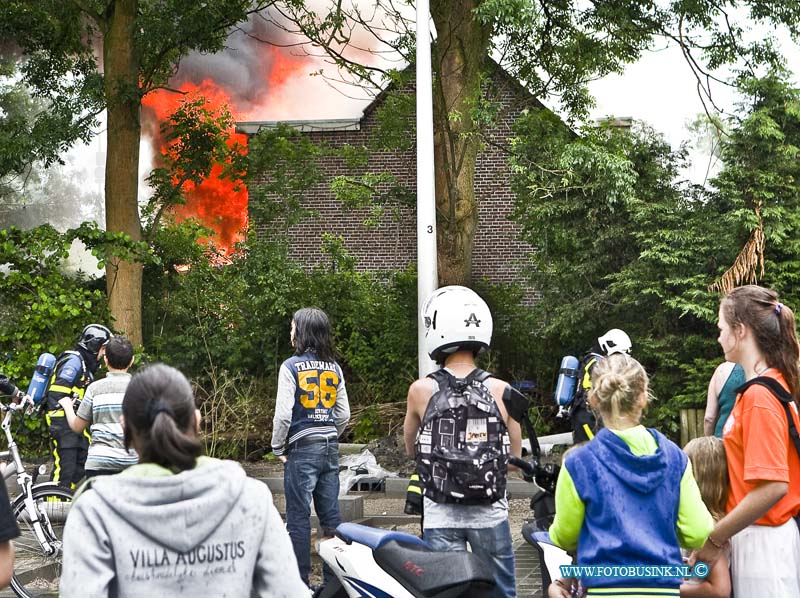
(529, 579)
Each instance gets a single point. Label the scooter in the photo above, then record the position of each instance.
(377, 563)
(551, 557)
(543, 509)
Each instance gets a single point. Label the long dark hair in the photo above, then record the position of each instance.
(773, 327)
(312, 332)
(159, 407)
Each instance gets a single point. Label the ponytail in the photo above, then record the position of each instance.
(786, 358)
(159, 409)
(171, 447)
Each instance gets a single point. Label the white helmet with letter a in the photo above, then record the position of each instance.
(456, 318)
(615, 341)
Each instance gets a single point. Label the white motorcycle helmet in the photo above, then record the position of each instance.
(456, 318)
(615, 341)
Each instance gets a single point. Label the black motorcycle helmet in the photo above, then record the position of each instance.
(93, 337)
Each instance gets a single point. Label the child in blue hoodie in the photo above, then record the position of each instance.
(628, 497)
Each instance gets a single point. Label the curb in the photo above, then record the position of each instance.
(396, 487)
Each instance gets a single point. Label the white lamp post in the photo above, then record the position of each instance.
(427, 275)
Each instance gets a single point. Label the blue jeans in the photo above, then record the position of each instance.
(492, 543)
(311, 471)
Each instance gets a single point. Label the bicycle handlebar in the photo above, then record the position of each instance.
(25, 403)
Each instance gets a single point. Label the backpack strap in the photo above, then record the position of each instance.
(438, 403)
(785, 398)
(65, 356)
(445, 379)
(479, 375)
(442, 376)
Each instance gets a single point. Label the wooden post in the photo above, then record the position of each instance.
(684, 427)
(691, 424)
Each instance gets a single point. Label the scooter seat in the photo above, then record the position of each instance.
(542, 537)
(374, 537)
(424, 572)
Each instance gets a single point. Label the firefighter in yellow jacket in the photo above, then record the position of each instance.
(73, 372)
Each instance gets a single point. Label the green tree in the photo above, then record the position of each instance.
(555, 48)
(760, 180)
(140, 44)
(621, 244)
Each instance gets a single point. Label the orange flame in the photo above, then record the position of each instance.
(216, 202)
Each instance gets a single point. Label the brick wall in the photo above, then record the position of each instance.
(498, 253)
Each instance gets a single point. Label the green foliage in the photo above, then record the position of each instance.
(761, 172)
(368, 427)
(621, 244)
(203, 317)
(235, 415)
(554, 48)
(42, 309)
(219, 323)
(395, 117)
(373, 323)
(380, 193)
(515, 332)
(58, 38)
(225, 325)
(53, 92)
(280, 166)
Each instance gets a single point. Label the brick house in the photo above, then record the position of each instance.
(498, 253)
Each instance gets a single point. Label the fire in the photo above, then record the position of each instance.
(217, 202)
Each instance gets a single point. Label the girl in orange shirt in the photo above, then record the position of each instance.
(758, 332)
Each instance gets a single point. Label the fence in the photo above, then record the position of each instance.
(691, 424)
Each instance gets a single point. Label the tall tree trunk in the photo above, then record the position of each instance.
(458, 61)
(121, 69)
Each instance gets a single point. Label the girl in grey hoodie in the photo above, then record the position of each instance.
(177, 523)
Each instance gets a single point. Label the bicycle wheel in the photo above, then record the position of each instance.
(37, 573)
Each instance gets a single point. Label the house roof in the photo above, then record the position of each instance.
(331, 124)
(354, 124)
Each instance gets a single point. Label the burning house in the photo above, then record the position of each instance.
(499, 255)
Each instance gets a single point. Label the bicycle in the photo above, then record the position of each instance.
(41, 511)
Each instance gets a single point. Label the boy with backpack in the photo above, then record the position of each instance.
(459, 430)
(101, 409)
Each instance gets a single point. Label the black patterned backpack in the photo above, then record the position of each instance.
(462, 447)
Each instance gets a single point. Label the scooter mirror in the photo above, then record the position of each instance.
(516, 403)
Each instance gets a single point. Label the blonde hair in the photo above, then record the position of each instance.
(710, 467)
(617, 383)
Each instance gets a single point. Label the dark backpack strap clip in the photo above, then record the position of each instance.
(786, 399)
(445, 378)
